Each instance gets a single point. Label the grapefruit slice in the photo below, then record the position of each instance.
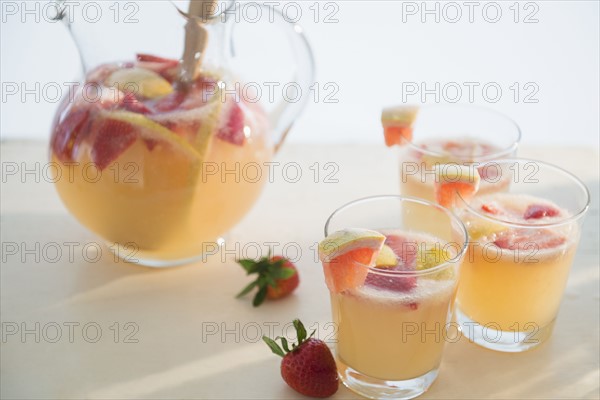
(452, 180)
(397, 124)
(346, 256)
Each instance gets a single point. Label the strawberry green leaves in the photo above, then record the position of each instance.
(301, 337)
(277, 277)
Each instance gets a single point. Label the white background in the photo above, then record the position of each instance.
(373, 49)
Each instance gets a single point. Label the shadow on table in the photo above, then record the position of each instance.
(56, 255)
(154, 322)
(171, 308)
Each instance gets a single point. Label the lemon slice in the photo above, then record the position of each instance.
(454, 173)
(386, 258)
(210, 123)
(431, 160)
(142, 82)
(479, 228)
(155, 131)
(399, 115)
(431, 256)
(346, 240)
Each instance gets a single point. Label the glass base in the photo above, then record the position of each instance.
(374, 388)
(504, 341)
(126, 254)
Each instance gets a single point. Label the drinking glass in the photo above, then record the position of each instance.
(391, 329)
(521, 249)
(453, 133)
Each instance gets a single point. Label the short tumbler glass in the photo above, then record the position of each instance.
(392, 328)
(521, 248)
(454, 133)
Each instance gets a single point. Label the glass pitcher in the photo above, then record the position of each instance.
(158, 167)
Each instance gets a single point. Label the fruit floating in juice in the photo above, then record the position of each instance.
(420, 162)
(516, 267)
(421, 157)
(391, 299)
(144, 161)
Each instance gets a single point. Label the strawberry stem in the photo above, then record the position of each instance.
(300, 334)
(273, 346)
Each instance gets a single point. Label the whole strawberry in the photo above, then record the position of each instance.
(309, 367)
(277, 277)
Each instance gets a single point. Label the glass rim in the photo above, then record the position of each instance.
(563, 221)
(395, 273)
(495, 155)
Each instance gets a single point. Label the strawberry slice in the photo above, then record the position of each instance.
(157, 64)
(66, 133)
(169, 102)
(394, 283)
(151, 58)
(233, 129)
(404, 249)
(529, 239)
(113, 137)
(131, 103)
(537, 211)
(165, 67)
(99, 74)
(490, 209)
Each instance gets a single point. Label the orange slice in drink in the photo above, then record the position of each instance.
(397, 124)
(452, 180)
(346, 256)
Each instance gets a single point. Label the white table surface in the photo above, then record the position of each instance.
(175, 309)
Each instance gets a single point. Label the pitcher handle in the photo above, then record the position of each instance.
(284, 114)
